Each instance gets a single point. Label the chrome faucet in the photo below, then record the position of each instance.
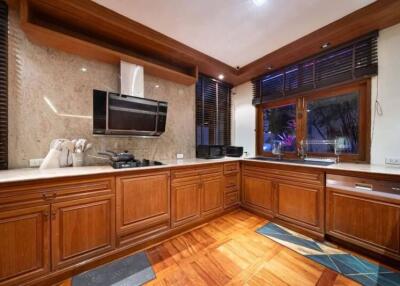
(301, 151)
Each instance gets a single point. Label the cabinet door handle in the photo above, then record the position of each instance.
(46, 197)
(53, 214)
(46, 215)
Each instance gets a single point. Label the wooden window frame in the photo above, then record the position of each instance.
(363, 87)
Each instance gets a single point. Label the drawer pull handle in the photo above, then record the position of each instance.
(47, 197)
(362, 186)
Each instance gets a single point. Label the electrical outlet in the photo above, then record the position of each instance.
(179, 156)
(34, 163)
(392, 161)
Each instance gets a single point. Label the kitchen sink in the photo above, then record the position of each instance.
(316, 162)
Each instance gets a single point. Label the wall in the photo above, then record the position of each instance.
(244, 118)
(386, 134)
(43, 80)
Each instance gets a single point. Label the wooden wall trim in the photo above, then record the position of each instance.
(378, 15)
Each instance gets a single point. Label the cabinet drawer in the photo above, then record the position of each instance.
(49, 192)
(231, 168)
(231, 199)
(232, 181)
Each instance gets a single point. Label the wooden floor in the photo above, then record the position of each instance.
(228, 251)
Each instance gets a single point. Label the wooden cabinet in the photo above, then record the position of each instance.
(367, 218)
(232, 185)
(143, 206)
(196, 192)
(186, 202)
(212, 195)
(24, 244)
(301, 205)
(81, 229)
(258, 193)
(290, 195)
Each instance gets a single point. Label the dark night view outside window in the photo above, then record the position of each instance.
(334, 119)
(280, 125)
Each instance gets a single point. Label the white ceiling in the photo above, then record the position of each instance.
(235, 32)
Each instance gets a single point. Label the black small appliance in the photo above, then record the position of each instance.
(210, 151)
(234, 151)
(127, 160)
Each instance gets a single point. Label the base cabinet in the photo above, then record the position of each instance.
(142, 206)
(301, 205)
(186, 203)
(81, 229)
(258, 193)
(368, 222)
(212, 195)
(24, 244)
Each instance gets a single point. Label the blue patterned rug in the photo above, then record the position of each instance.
(353, 267)
(133, 270)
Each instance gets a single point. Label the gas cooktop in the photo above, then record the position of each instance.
(135, 164)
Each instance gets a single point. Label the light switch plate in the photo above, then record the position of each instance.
(179, 156)
(392, 161)
(35, 163)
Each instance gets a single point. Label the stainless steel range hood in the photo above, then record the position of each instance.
(128, 113)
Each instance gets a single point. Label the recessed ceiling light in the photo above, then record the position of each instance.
(83, 69)
(221, 77)
(156, 86)
(326, 45)
(259, 2)
(269, 68)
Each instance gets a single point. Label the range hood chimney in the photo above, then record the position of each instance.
(132, 79)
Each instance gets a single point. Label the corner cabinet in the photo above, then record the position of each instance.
(293, 196)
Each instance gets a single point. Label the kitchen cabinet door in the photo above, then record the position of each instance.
(258, 194)
(368, 222)
(212, 195)
(302, 205)
(82, 229)
(186, 203)
(24, 244)
(142, 205)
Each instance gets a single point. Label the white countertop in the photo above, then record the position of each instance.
(353, 167)
(29, 174)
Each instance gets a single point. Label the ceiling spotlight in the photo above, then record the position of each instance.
(259, 2)
(326, 45)
(270, 68)
(83, 69)
(221, 77)
(156, 86)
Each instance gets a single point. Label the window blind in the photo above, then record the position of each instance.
(351, 61)
(3, 85)
(213, 112)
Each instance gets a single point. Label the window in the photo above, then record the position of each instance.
(280, 125)
(3, 85)
(329, 122)
(349, 62)
(213, 112)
